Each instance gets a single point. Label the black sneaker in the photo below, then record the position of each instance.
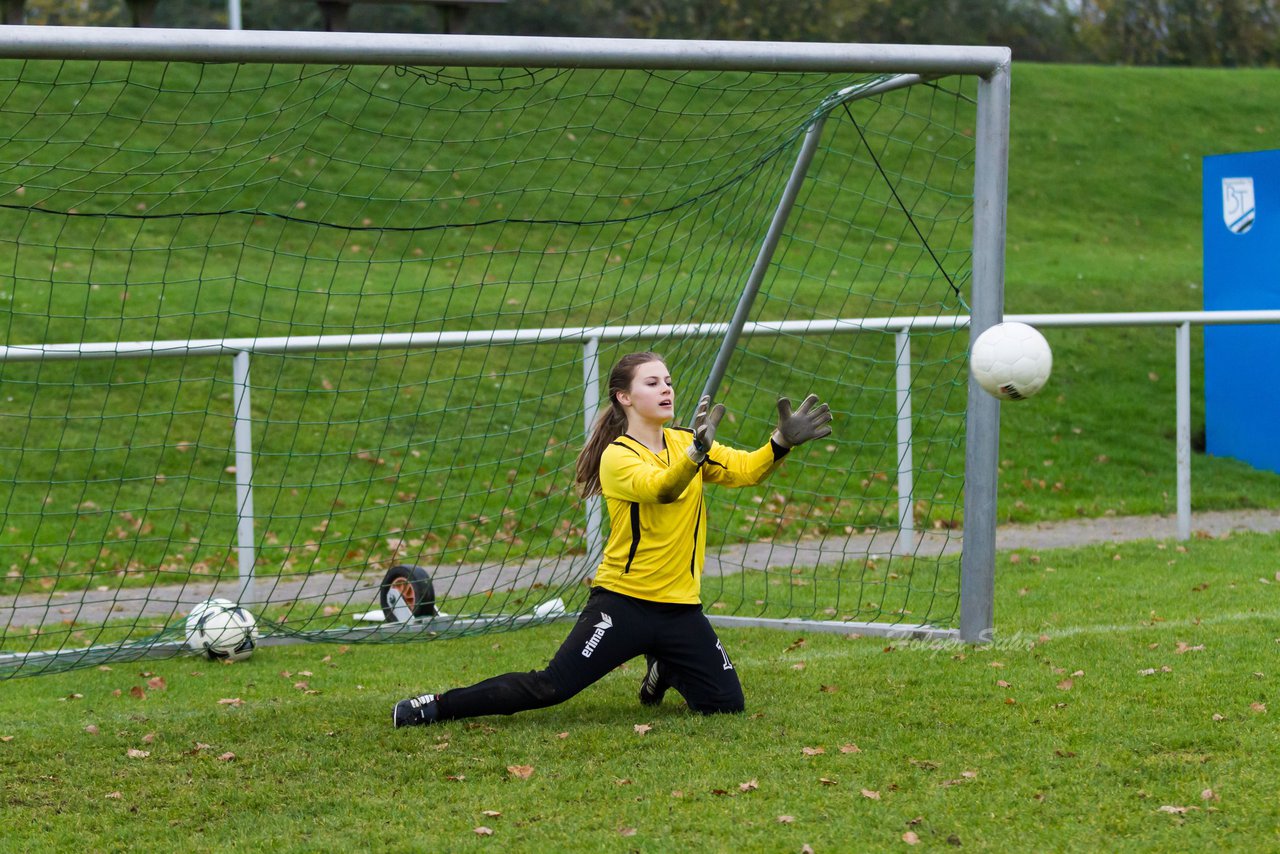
(415, 711)
(654, 686)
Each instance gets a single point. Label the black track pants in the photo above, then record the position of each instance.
(613, 629)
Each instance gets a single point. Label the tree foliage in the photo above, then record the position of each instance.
(1181, 32)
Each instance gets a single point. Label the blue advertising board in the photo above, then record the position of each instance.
(1242, 271)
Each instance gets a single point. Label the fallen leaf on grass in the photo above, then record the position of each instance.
(562, 735)
(871, 794)
(850, 748)
(1066, 685)
(749, 786)
(231, 701)
(1209, 795)
(137, 693)
(641, 729)
(947, 784)
(490, 813)
(135, 753)
(627, 831)
(1184, 647)
(227, 757)
(786, 819)
(1258, 707)
(115, 796)
(455, 778)
(911, 838)
(522, 772)
(827, 781)
(156, 683)
(812, 751)
(92, 729)
(1174, 810)
(483, 831)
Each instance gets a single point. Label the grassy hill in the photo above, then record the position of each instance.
(1104, 215)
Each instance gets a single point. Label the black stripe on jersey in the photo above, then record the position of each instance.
(697, 523)
(628, 447)
(635, 536)
(714, 463)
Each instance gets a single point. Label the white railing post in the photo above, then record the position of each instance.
(244, 475)
(590, 405)
(906, 541)
(1182, 382)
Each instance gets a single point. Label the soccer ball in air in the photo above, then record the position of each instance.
(222, 630)
(1011, 360)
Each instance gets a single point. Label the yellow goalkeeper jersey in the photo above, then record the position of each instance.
(658, 521)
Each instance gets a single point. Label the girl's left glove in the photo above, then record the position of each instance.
(811, 421)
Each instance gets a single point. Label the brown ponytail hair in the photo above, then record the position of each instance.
(610, 423)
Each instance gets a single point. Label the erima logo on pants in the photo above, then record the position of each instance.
(606, 623)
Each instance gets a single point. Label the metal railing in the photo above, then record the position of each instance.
(591, 337)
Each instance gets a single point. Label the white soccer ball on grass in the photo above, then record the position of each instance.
(1011, 361)
(222, 630)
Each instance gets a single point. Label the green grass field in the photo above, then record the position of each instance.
(1127, 705)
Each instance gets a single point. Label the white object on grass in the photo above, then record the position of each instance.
(222, 630)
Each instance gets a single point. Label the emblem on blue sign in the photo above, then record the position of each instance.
(1237, 204)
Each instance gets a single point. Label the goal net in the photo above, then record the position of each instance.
(322, 337)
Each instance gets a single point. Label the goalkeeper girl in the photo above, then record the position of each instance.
(645, 596)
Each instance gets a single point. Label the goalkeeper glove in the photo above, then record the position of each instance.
(810, 421)
(705, 421)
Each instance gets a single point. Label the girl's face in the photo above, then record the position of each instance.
(651, 396)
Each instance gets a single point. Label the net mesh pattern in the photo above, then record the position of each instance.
(182, 202)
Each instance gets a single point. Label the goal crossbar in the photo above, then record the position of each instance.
(110, 43)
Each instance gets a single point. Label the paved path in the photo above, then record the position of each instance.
(92, 607)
